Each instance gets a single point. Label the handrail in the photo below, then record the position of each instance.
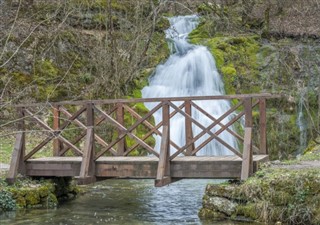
(139, 100)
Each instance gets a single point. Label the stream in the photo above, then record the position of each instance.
(124, 202)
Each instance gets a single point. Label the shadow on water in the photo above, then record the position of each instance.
(124, 202)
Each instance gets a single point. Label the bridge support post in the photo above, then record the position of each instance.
(188, 127)
(263, 126)
(120, 119)
(247, 161)
(87, 170)
(56, 126)
(163, 173)
(17, 164)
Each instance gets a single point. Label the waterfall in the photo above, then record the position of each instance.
(189, 71)
(302, 123)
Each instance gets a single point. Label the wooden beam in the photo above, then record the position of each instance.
(263, 126)
(56, 127)
(219, 167)
(188, 128)
(17, 164)
(16, 159)
(247, 163)
(87, 170)
(163, 171)
(120, 120)
(247, 103)
(193, 98)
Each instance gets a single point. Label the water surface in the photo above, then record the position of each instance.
(122, 202)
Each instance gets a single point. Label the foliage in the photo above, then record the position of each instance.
(27, 193)
(291, 196)
(7, 202)
(236, 59)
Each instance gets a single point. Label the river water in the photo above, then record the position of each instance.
(122, 202)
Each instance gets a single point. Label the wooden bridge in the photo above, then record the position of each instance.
(100, 139)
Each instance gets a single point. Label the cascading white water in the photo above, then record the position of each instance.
(302, 124)
(189, 71)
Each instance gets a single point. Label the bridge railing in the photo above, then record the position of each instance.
(74, 128)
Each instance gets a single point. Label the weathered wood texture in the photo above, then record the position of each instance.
(164, 166)
(228, 167)
(194, 98)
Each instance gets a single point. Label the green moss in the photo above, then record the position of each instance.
(210, 214)
(236, 59)
(32, 198)
(21, 202)
(249, 210)
(7, 202)
(50, 201)
(291, 190)
(291, 196)
(162, 24)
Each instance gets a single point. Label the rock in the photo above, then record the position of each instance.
(225, 191)
(219, 204)
(211, 214)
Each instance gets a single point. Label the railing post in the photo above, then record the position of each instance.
(163, 172)
(17, 164)
(87, 170)
(247, 161)
(263, 126)
(56, 126)
(188, 128)
(120, 119)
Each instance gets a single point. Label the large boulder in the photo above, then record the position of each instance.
(219, 204)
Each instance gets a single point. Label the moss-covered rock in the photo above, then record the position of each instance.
(26, 193)
(209, 214)
(219, 204)
(288, 195)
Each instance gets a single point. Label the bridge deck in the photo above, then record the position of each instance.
(143, 167)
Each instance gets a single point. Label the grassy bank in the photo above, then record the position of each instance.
(286, 192)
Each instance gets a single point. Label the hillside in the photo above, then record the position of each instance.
(78, 49)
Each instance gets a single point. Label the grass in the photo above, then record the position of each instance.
(7, 145)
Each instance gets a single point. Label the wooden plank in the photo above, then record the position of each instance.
(120, 120)
(114, 101)
(38, 147)
(87, 165)
(17, 164)
(263, 126)
(163, 171)
(247, 103)
(56, 127)
(247, 154)
(17, 154)
(188, 128)
(144, 167)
